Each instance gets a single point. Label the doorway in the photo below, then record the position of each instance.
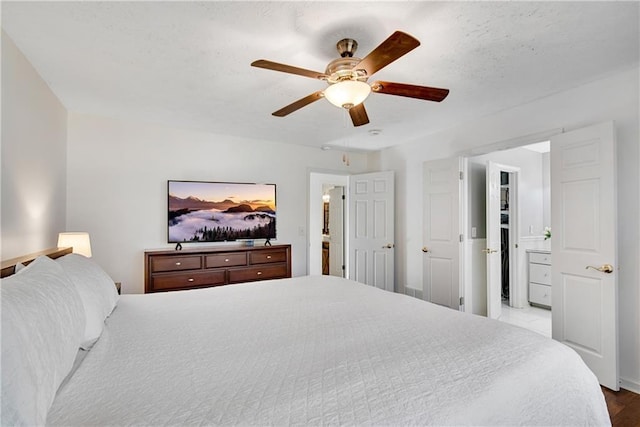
(508, 236)
(320, 250)
(502, 236)
(333, 236)
(502, 251)
(368, 226)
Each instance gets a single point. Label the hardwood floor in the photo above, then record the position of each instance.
(624, 407)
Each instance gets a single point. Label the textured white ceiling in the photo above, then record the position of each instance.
(186, 64)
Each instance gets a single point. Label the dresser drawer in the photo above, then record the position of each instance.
(264, 257)
(540, 273)
(258, 273)
(540, 294)
(225, 260)
(169, 281)
(175, 263)
(539, 258)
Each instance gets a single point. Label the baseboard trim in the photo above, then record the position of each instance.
(630, 385)
(415, 293)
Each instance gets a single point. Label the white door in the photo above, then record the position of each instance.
(336, 231)
(583, 241)
(442, 232)
(371, 229)
(493, 250)
(494, 230)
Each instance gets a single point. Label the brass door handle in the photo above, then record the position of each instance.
(489, 251)
(605, 268)
(425, 249)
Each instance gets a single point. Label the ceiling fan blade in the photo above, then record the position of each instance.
(359, 115)
(410, 91)
(397, 45)
(298, 104)
(270, 65)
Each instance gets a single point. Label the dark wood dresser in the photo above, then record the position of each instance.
(171, 270)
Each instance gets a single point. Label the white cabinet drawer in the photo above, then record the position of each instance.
(540, 273)
(539, 258)
(540, 294)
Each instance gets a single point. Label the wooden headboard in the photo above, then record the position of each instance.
(9, 266)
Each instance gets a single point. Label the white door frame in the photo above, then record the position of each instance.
(314, 226)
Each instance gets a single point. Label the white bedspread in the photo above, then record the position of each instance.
(320, 351)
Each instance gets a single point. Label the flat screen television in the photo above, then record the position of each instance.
(201, 211)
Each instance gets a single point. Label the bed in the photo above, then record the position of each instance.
(314, 350)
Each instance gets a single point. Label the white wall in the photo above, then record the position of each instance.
(530, 189)
(117, 184)
(34, 131)
(611, 98)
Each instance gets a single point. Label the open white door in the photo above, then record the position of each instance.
(493, 250)
(371, 229)
(442, 232)
(583, 247)
(494, 207)
(336, 231)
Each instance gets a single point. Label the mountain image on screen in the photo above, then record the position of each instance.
(215, 212)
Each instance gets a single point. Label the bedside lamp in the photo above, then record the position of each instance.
(78, 240)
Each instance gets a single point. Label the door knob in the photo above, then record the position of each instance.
(489, 251)
(425, 249)
(388, 246)
(605, 268)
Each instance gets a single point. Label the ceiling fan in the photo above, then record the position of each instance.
(347, 77)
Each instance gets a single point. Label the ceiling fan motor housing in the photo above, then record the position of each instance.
(347, 47)
(342, 69)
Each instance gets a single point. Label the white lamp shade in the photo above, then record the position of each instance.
(78, 240)
(348, 93)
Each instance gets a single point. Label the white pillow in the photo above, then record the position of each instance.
(19, 267)
(97, 292)
(42, 325)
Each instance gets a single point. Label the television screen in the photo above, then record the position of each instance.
(221, 211)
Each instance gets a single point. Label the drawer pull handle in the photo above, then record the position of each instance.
(189, 279)
(259, 273)
(178, 263)
(268, 256)
(226, 260)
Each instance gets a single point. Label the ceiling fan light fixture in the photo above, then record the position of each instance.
(348, 93)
